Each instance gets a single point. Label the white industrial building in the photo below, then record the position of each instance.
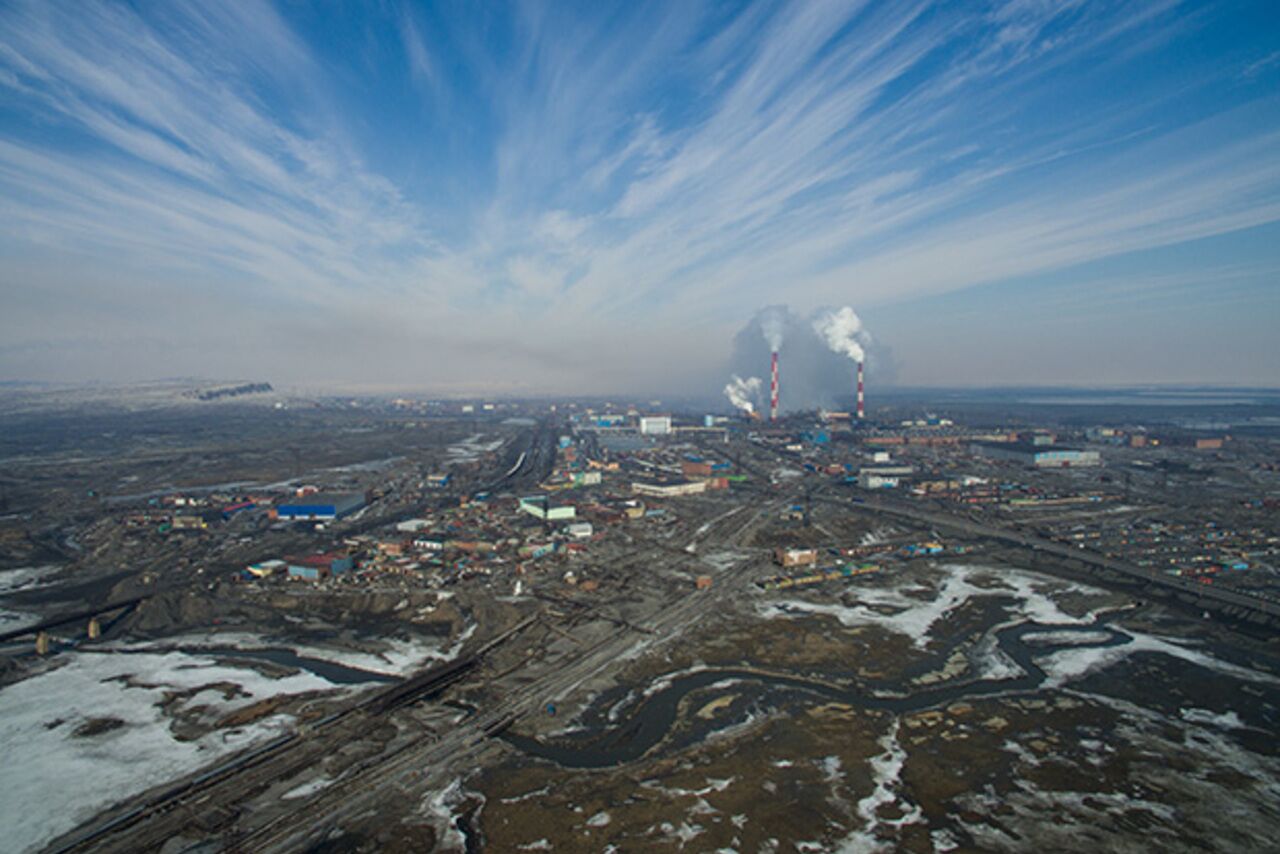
(655, 425)
(669, 490)
(1040, 456)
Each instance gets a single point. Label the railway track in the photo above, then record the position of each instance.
(278, 759)
(427, 766)
(216, 794)
(215, 801)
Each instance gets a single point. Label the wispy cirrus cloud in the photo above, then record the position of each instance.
(546, 183)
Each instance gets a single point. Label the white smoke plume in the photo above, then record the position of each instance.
(743, 393)
(773, 324)
(817, 373)
(843, 333)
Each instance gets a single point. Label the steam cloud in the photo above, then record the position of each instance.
(743, 393)
(773, 325)
(842, 330)
(816, 351)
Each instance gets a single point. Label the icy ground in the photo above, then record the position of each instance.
(915, 617)
(900, 612)
(399, 656)
(886, 772)
(54, 778)
(24, 578)
(471, 449)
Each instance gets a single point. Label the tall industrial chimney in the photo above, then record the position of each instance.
(861, 410)
(773, 388)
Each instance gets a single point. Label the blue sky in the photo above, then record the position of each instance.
(553, 197)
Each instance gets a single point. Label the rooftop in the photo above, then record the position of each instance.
(1026, 447)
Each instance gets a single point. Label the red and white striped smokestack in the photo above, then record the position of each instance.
(773, 387)
(861, 410)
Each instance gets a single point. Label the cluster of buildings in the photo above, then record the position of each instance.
(179, 512)
(1196, 549)
(308, 567)
(1140, 437)
(935, 459)
(482, 534)
(632, 420)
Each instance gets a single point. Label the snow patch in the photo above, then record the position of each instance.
(536, 793)
(401, 657)
(307, 789)
(915, 618)
(55, 780)
(1070, 664)
(1227, 720)
(441, 808)
(886, 769)
(25, 578)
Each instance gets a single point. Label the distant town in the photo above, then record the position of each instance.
(397, 595)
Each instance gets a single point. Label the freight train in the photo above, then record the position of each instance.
(848, 570)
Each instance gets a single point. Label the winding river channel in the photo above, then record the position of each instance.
(621, 726)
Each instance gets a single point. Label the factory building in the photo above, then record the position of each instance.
(695, 468)
(1041, 456)
(319, 566)
(796, 557)
(264, 569)
(544, 508)
(655, 425)
(669, 490)
(884, 476)
(321, 506)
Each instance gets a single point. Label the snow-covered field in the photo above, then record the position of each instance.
(24, 578)
(399, 657)
(443, 809)
(470, 449)
(10, 620)
(886, 771)
(1070, 664)
(54, 778)
(915, 617)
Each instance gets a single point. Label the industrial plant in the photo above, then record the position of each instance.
(383, 601)
(746, 427)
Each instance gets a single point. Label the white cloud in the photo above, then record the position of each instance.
(651, 173)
